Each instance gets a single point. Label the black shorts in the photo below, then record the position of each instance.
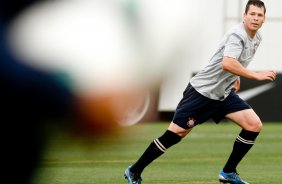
(194, 108)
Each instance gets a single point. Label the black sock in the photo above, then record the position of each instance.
(155, 149)
(242, 145)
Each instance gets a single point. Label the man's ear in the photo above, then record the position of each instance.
(244, 16)
(263, 20)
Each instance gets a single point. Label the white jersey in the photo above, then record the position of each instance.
(215, 83)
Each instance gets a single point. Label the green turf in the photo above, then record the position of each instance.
(195, 160)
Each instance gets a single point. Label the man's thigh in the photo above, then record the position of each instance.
(247, 119)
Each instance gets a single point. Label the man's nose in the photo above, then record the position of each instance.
(256, 17)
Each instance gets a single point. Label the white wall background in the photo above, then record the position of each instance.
(213, 18)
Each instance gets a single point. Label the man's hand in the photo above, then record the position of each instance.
(266, 75)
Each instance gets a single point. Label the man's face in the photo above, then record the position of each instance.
(254, 18)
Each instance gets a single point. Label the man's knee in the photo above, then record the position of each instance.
(257, 126)
(254, 125)
(178, 130)
(246, 119)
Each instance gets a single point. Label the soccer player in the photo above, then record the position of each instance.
(211, 94)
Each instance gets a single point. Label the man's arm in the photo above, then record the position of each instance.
(233, 66)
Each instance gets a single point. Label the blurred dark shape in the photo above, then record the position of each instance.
(9, 9)
(29, 98)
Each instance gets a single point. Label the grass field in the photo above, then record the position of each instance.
(197, 159)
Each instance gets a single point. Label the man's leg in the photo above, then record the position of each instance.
(251, 126)
(172, 136)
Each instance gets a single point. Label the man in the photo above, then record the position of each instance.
(212, 94)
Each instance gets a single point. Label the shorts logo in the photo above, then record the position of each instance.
(191, 122)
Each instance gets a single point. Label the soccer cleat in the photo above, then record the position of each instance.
(232, 178)
(132, 178)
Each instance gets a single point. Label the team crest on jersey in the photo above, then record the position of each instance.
(191, 122)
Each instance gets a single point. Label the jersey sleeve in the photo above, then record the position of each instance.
(234, 46)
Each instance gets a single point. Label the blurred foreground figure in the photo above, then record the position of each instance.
(89, 61)
(29, 98)
(79, 62)
(93, 45)
(112, 50)
(211, 94)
